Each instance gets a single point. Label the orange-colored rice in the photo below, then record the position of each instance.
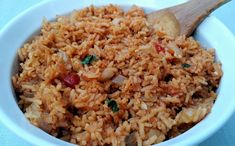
(157, 97)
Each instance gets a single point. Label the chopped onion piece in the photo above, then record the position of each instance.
(63, 55)
(143, 106)
(108, 73)
(175, 48)
(116, 21)
(119, 79)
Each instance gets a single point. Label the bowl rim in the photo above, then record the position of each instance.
(34, 139)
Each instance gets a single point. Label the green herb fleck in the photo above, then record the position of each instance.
(112, 104)
(89, 59)
(185, 65)
(210, 88)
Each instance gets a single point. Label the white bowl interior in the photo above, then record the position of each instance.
(211, 33)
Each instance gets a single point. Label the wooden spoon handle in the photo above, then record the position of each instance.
(190, 14)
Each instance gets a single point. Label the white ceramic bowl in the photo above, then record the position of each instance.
(211, 33)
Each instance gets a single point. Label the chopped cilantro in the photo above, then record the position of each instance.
(89, 59)
(185, 65)
(112, 104)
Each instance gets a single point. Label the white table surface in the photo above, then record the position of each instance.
(10, 8)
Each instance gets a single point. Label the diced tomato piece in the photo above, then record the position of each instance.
(71, 79)
(159, 48)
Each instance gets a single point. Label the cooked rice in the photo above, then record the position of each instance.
(159, 94)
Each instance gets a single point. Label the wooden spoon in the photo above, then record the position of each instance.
(184, 18)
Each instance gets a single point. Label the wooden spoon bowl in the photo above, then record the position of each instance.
(182, 19)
